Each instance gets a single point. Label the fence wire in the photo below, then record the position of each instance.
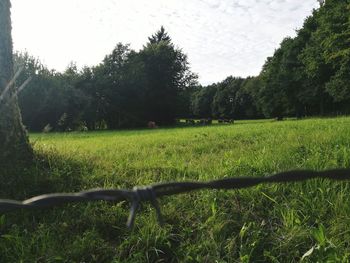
(151, 193)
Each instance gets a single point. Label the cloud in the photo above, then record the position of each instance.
(221, 37)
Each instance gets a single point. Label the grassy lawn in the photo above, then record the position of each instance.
(268, 223)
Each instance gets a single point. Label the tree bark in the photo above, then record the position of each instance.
(14, 144)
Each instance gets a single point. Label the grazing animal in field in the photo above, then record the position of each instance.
(226, 121)
(152, 125)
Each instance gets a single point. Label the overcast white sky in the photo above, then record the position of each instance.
(221, 37)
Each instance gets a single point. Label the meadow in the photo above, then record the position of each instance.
(308, 222)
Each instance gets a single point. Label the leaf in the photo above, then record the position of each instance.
(308, 253)
(319, 235)
(8, 237)
(2, 220)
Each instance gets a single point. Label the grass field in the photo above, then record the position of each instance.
(267, 223)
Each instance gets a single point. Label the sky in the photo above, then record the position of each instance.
(220, 37)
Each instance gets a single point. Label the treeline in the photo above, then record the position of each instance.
(308, 75)
(229, 99)
(126, 90)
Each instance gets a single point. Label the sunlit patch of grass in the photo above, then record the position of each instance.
(267, 223)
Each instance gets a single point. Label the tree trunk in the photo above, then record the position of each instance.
(14, 144)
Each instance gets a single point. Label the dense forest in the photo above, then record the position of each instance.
(308, 75)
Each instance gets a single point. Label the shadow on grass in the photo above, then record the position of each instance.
(67, 233)
(48, 173)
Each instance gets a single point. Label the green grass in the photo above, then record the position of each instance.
(267, 223)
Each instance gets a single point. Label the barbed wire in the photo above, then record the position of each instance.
(150, 193)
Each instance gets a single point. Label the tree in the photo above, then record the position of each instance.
(14, 144)
(121, 88)
(168, 77)
(202, 101)
(159, 36)
(335, 25)
(33, 100)
(280, 81)
(309, 74)
(246, 106)
(224, 102)
(92, 110)
(113, 88)
(232, 98)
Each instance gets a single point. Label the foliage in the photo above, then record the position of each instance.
(127, 89)
(308, 75)
(229, 99)
(168, 76)
(201, 101)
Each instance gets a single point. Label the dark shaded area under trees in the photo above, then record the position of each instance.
(308, 75)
